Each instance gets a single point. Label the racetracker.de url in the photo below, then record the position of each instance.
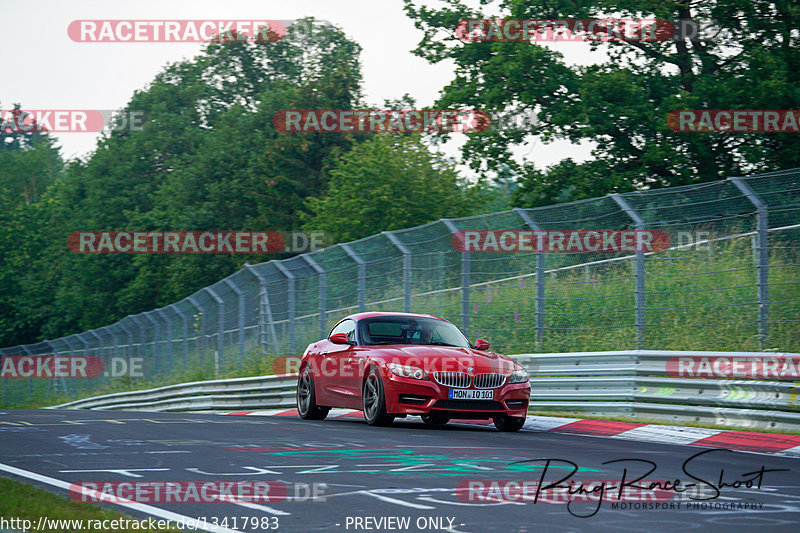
(201, 523)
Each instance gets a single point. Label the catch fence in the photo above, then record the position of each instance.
(729, 280)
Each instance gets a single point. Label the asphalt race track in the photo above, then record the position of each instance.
(407, 472)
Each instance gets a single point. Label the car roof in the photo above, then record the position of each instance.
(370, 314)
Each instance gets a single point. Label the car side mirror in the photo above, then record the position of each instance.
(481, 344)
(339, 338)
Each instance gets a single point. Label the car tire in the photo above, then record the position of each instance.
(508, 423)
(435, 419)
(373, 400)
(307, 406)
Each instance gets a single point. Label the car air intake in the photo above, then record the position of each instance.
(460, 380)
(516, 404)
(413, 400)
(489, 381)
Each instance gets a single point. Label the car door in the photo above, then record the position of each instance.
(352, 371)
(335, 367)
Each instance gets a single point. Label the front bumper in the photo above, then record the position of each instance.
(421, 397)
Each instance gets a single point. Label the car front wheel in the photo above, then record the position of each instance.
(307, 406)
(374, 401)
(508, 423)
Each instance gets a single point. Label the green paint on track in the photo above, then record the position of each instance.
(408, 462)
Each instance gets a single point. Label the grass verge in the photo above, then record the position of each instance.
(26, 502)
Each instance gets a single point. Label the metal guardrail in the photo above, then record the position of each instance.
(260, 392)
(638, 384)
(633, 383)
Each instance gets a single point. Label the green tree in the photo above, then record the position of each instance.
(207, 157)
(745, 56)
(29, 164)
(29, 161)
(387, 183)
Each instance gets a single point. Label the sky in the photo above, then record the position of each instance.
(44, 69)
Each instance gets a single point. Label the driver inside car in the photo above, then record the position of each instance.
(425, 336)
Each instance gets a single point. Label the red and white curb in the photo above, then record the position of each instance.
(772, 443)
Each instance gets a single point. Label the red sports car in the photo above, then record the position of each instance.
(397, 364)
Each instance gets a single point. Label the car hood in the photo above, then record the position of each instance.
(445, 358)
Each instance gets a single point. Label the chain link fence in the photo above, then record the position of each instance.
(729, 280)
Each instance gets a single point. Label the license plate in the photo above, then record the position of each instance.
(470, 394)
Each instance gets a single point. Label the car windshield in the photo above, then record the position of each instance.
(410, 330)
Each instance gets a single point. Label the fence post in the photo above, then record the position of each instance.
(641, 324)
(540, 278)
(323, 330)
(115, 341)
(240, 325)
(465, 275)
(70, 349)
(130, 337)
(110, 331)
(52, 350)
(220, 320)
(100, 348)
(406, 268)
(160, 312)
(66, 384)
(81, 383)
(201, 334)
(762, 227)
(30, 381)
(185, 320)
(362, 276)
(290, 279)
(142, 349)
(155, 340)
(265, 311)
(99, 340)
(129, 333)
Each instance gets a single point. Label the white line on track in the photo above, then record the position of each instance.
(395, 500)
(258, 507)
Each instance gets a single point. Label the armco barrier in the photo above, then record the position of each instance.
(638, 384)
(626, 383)
(260, 392)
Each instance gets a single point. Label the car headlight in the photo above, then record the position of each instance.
(413, 372)
(518, 376)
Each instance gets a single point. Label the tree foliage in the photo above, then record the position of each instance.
(207, 157)
(745, 56)
(386, 183)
